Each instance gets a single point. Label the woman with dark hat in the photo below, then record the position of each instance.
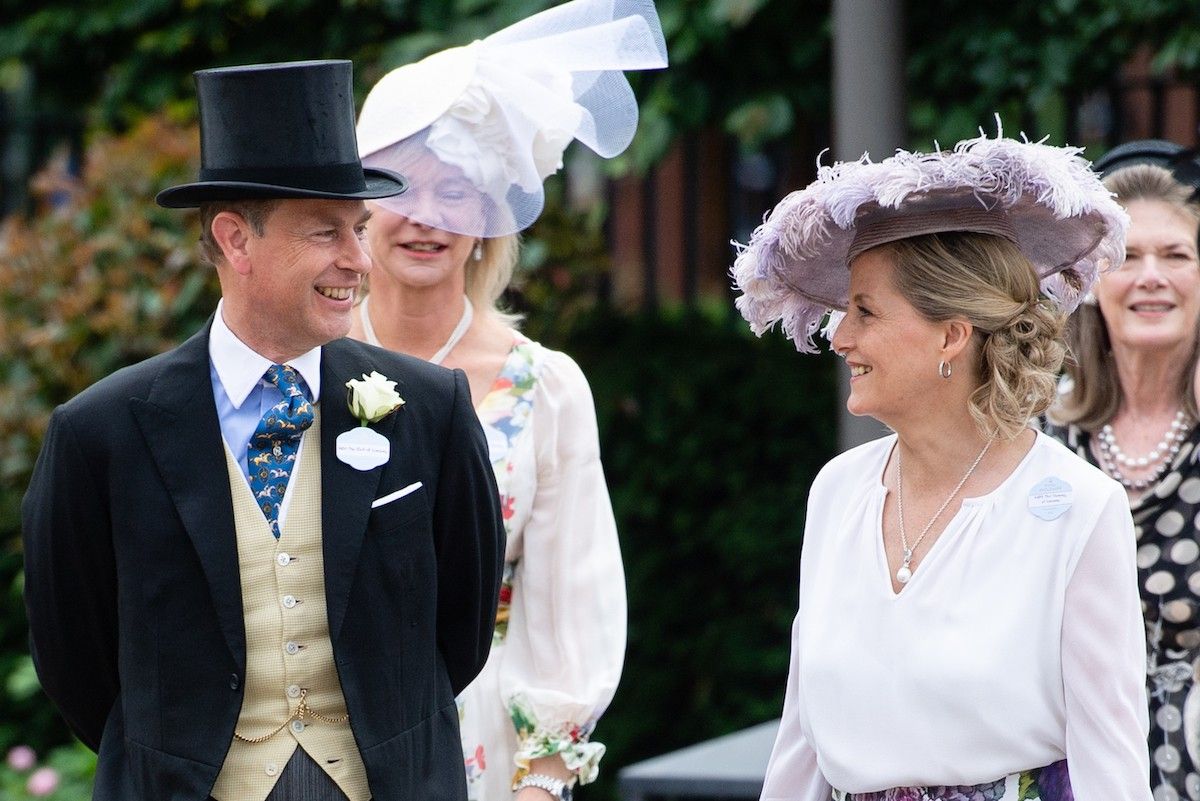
(1129, 407)
(968, 624)
(477, 129)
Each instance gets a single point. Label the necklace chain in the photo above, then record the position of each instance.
(904, 573)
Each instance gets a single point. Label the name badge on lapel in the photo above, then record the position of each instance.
(362, 448)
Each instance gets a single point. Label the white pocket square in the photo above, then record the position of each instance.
(397, 495)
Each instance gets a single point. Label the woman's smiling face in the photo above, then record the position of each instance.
(421, 238)
(891, 350)
(1153, 300)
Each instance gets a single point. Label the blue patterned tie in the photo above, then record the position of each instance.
(272, 450)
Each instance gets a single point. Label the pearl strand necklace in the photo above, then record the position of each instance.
(904, 573)
(1160, 458)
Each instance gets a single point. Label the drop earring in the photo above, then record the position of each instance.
(477, 254)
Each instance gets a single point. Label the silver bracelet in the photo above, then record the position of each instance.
(556, 787)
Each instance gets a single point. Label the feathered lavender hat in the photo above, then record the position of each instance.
(1044, 199)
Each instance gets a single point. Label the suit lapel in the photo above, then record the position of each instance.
(179, 421)
(346, 493)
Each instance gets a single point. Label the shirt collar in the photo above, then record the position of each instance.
(240, 367)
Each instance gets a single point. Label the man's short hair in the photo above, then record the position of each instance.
(254, 212)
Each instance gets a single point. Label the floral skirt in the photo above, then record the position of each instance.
(1043, 784)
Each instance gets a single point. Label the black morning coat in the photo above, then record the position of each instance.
(134, 600)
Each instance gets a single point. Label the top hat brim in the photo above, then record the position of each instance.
(379, 183)
(1158, 152)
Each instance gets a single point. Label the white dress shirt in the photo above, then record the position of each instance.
(243, 394)
(1018, 642)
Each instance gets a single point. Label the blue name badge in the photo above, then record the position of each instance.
(1050, 498)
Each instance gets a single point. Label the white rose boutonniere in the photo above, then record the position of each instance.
(373, 398)
(370, 399)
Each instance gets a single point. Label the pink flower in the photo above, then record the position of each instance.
(42, 782)
(21, 758)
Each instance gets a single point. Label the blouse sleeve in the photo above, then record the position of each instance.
(792, 772)
(1104, 665)
(566, 635)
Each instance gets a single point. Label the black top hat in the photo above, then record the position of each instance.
(1181, 161)
(279, 131)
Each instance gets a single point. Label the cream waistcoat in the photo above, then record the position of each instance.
(289, 657)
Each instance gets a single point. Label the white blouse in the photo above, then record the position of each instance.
(1018, 642)
(560, 638)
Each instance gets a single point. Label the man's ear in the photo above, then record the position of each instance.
(232, 234)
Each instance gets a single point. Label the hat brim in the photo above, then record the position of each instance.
(1051, 243)
(795, 268)
(380, 183)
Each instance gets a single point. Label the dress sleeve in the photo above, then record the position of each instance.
(792, 772)
(1104, 665)
(566, 635)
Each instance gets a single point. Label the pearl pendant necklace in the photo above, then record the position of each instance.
(905, 571)
(1113, 459)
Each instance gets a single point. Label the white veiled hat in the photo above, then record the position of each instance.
(1045, 199)
(476, 129)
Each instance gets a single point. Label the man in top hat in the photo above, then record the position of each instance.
(245, 582)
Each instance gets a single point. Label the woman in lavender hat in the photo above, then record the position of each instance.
(969, 623)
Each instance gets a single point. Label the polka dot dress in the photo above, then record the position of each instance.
(1167, 525)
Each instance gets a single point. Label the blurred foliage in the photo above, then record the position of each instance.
(131, 57)
(758, 69)
(1026, 59)
(101, 277)
(563, 268)
(66, 774)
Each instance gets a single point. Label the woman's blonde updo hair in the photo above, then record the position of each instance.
(986, 280)
(1096, 393)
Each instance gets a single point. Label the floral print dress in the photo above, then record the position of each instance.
(559, 640)
(1165, 522)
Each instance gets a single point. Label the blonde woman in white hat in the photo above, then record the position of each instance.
(479, 128)
(969, 623)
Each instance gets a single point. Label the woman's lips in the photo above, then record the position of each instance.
(423, 247)
(1151, 307)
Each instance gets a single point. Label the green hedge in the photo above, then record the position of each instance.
(710, 439)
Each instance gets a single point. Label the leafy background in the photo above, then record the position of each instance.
(710, 437)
